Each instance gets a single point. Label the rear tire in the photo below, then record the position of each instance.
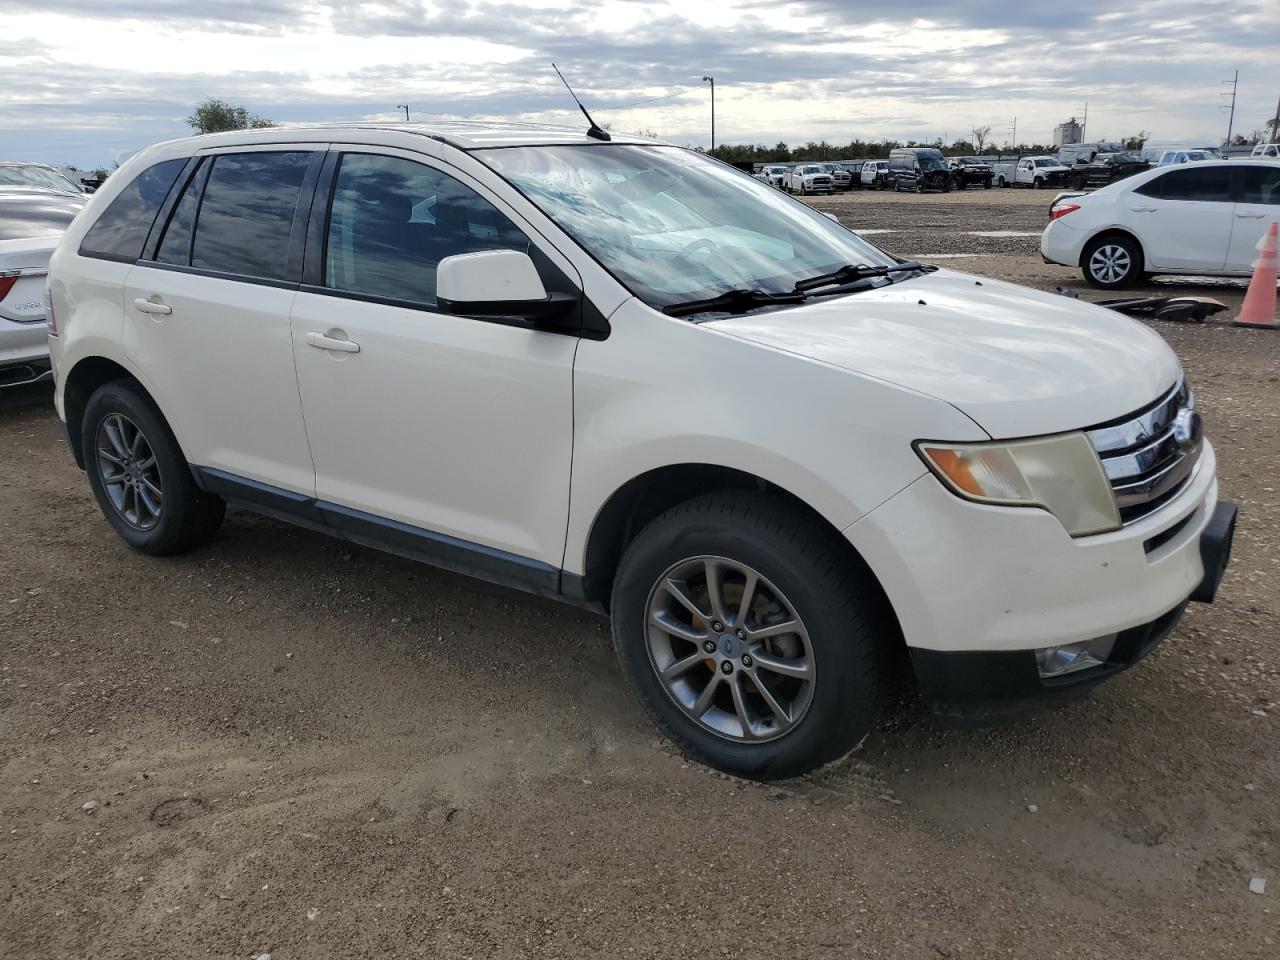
(140, 477)
(710, 703)
(1112, 263)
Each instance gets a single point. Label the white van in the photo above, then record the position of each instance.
(623, 374)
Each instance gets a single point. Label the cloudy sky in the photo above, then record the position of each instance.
(82, 81)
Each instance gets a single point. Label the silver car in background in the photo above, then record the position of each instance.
(32, 221)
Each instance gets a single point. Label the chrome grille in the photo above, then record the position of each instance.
(1149, 456)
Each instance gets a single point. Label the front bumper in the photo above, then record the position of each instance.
(977, 589)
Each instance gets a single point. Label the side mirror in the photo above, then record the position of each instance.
(498, 284)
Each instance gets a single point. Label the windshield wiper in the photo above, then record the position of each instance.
(732, 301)
(858, 271)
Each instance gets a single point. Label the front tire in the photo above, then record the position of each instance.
(1111, 263)
(140, 477)
(749, 637)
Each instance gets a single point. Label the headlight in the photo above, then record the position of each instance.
(1061, 474)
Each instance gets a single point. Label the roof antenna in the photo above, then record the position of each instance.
(594, 130)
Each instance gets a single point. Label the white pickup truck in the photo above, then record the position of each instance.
(1033, 172)
(809, 178)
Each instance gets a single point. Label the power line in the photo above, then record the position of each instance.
(640, 103)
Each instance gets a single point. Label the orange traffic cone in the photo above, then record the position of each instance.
(1259, 308)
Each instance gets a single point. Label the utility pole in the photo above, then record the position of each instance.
(1014, 135)
(712, 81)
(405, 108)
(1231, 117)
(1084, 124)
(1275, 126)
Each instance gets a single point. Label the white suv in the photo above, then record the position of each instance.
(623, 374)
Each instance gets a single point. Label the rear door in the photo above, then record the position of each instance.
(1257, 205)
(1183, 218)
(207, 313)
(447, 437)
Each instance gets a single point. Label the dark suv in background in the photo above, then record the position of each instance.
(919, 169)
(971, 172)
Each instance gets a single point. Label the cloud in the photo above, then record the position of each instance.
(77, 79)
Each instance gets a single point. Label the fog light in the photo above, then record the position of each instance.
(1074, 657)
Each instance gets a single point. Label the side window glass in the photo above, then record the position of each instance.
(1152, 187)
(123, 227)
(1200, 184)
(175, 246)
(1260, 186)
(247, 213)
(393, 220)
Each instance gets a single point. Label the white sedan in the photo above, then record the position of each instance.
(1203, 219)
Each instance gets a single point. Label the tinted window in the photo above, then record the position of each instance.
(393, 221)
(175, 247)
(1202, 184)
(122, 229)
(1259, 186)
(246, 214)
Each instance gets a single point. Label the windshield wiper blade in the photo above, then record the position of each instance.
(858, 271)
(732, 301)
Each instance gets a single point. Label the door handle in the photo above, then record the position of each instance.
(1143, 209)
(1250, 216)
(152, 306)
(322, 342)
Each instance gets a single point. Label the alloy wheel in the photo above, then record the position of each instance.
(130, 475)
(1110, 263)
(729, 649)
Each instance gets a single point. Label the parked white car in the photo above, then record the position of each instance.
(38, 176)
(1204, 219)
(1266, 151)
(808, 178)
(775, 176)
(626, 375)
(1155, 148)
(31, 223)
(1170, 157)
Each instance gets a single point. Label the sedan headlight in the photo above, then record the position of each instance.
(1061, 474)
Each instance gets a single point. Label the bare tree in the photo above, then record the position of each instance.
(980, 135)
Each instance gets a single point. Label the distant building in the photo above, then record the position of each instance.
(1069, 132)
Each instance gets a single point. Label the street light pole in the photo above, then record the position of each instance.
(405, 108)
(712, 81)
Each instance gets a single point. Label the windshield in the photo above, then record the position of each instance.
(1046, 162)
(673, 225)
(929, 161)
(23, 175)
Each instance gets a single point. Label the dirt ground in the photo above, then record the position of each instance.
(308, 749)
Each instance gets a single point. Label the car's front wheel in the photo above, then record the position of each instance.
(140, 477)
(750, 639)
(1110, 263)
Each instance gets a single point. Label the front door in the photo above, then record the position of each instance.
(1183, 218)
(1257, 194)
(435, 434)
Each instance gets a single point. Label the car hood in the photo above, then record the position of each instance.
(1017, 361)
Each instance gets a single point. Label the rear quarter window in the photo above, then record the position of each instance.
(121, 230)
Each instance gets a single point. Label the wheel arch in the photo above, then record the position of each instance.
(1110, 233)
(645, 497)
(87, 375)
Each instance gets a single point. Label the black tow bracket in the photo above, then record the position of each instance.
(1181, 309)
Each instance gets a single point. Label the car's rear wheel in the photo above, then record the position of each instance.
(140, 477)
(748, 637)
(1110, 263)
